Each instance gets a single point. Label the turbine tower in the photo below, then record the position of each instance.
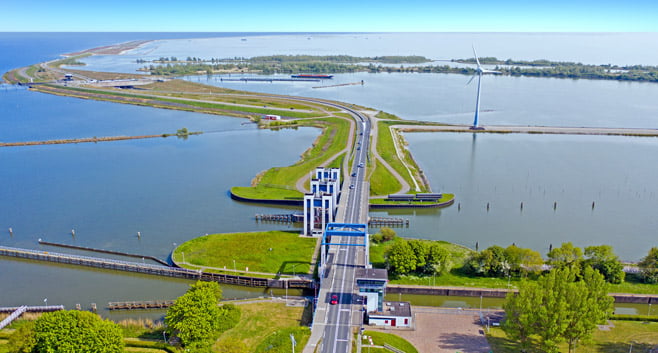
(479, 71)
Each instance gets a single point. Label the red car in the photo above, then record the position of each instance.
(334, 299)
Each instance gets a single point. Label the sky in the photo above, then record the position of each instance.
(329, 16)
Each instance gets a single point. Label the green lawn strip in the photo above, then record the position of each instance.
(386, 149)
(261, 320)
(249, 250)
(283, 179)
(382, 182)
(381, 338)
(617, 339)
(443, 199)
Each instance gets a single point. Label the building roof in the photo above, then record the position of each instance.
(371, 273)
(402, 309)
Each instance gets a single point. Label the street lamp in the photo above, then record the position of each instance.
(234, 268)
(293, 269)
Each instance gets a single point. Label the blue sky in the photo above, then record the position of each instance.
(329, 16)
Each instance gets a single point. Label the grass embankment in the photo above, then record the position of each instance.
(381, 338)
(386, 149)
(266, 252)
(644, 336)
(279, 183)
(382, 182)
(269, 324)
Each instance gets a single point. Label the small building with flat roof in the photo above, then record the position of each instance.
(393, 314)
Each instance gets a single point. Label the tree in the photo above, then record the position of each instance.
(566, 255)
(523, 260)
(387, 233)
(438, 260)
(490, 262)
(195, 316)
(521, 314)
(558, 308)
(604, 260)
(419, 248)
(400, 258)
(69, 331)
(649, 266)
(589, 305)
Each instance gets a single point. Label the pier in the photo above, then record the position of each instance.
(157, 270)
(102, 251)
(287, 218)
(387, 221)
(140, 305)
(16, 312)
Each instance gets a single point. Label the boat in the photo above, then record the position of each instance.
(312, 76)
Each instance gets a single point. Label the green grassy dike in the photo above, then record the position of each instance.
(265, 254)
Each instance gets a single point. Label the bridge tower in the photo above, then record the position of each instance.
(320, 204)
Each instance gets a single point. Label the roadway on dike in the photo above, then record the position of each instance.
(332, 324)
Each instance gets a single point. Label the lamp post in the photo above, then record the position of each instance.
(293, 269)
(234, 268)
(649, 314)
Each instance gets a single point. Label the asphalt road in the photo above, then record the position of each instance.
(337, 337)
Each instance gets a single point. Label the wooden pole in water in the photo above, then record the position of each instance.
(592, 206)
(11, 232)
(521, 205)
(554, 205)
(73, 232)
(487, 207)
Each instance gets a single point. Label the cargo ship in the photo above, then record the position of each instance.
(312, 76)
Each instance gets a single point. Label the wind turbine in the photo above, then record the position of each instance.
(479, 71)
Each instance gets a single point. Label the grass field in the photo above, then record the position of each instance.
(617, 339)
(262, 320)
(269, 252)
(386, 149)
(382, 182)
(381, 338)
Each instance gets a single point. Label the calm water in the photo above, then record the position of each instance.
(172, 190)
(617, 173)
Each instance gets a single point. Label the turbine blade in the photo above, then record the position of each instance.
(476, 57)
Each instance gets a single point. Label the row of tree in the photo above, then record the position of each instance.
(349, 64)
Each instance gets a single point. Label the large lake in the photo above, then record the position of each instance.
(172, 190)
